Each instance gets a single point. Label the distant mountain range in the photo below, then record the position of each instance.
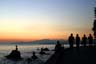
(43, 41)
(46, 41)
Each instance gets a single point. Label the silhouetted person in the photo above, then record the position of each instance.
(71, 40)
(58, 46)
(14, 55)
(16, 48)
(29, 60)
(84, 40)
(77, 41)
(90, 40)
(42, 51)
(34, 56)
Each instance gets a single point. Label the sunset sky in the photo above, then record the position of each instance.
(26, 20)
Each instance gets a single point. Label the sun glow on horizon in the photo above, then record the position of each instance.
(51, 19)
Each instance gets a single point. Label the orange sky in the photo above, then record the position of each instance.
(49, 19)
(29, 36)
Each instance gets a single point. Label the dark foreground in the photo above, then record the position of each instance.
(83, 55)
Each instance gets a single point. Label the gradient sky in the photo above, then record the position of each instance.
(25, 20)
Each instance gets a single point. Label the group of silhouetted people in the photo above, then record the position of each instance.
(16, 55)
(84, 41)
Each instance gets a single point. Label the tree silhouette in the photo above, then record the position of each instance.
(94, 24)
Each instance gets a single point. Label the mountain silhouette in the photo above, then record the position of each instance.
(43, 41)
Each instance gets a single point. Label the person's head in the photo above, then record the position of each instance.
(77, 35)
(58, 42)
(33, 53)
(90, 35)
(84, 35)
(16, 47)
(71, 34)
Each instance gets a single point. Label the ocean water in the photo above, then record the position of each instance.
(24, 49)
(26, 52)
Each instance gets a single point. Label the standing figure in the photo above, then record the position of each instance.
(16, 48)
(58, 46)
(77, 41)
(42, 52)
(90, 40)
(71, 40)
(34, 57)
(14, 55)
(84, 40)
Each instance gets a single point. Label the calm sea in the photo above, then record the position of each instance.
(24, 49)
